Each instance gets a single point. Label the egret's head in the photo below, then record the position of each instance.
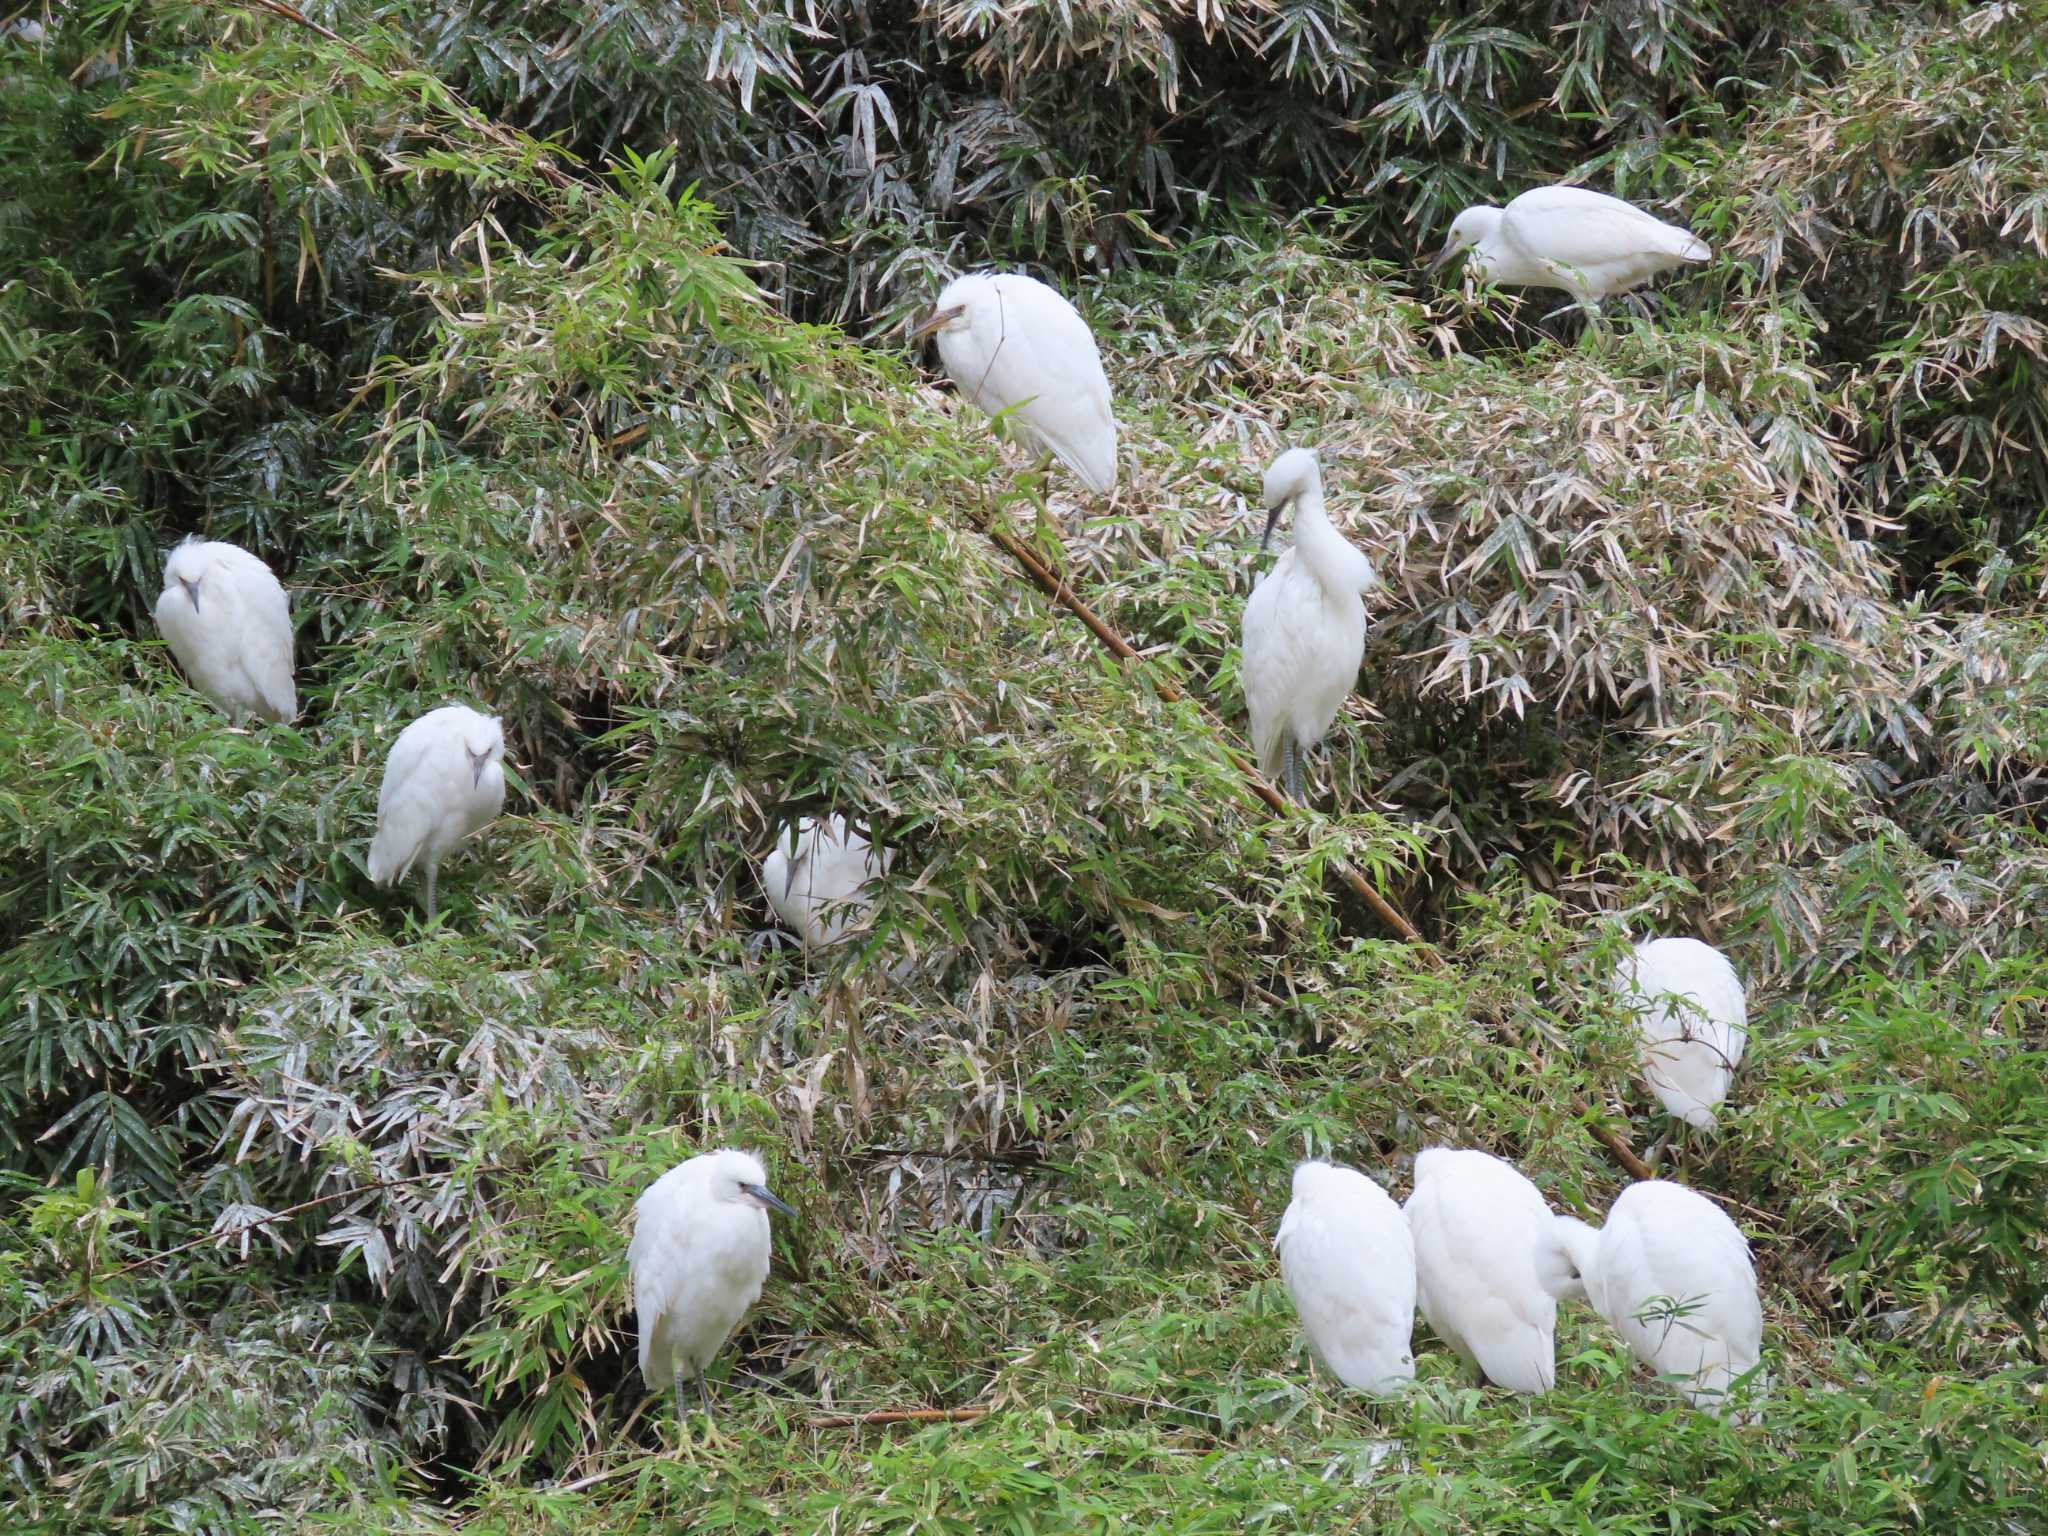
(737, 1178)
(954, 310)
(1472, 227)
(1287, 477)
(484, 745)
(1314, 1179)
(187, 568)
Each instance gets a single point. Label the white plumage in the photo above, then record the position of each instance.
(1349, 1264)
(817, 878)
(1012, 344)
(1490, 1265)
(226, 620)
(1304, 624)
(1691, 1023)
(698, 1258)
(444, 779)
(1584, 242)
(1672, 1275)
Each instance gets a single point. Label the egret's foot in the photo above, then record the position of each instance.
(1655, 1154)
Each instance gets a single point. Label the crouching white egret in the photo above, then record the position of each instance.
(698, 1258)
(444, 779)
(1304, 624)
(226, 620)
(1691, 1023)
(1586, 243)
(1671, 1274)
(1349, 1263)
(1490, 1265)
(1012, 344)
(817, 877)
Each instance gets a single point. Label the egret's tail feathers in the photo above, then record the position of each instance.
(1699, 1117)
(388, 859)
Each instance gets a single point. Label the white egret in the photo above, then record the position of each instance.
(1013, 345)
(1490, 1265)
(1304, 624)
(817, 878)
(444, 779)
(226, 620)
(1349, 1263)
(1672, 1275)
(698, 1258)
(1691, 1023)
(1586, 243)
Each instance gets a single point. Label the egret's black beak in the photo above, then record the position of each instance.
(1272, 517)
(191, 591)
(937, 320)
(1451, 248)
(478, 762)
(795, 868)
(759, 1192)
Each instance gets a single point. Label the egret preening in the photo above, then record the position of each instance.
(1584, 242)
(1672, 1275)
(1490, 1265)
(1691, 1023)
(444, 779)
(1304, 624)
(698, 1258)
(1013, 345)
(1349, 1263)
(226, 620)
(817, 878)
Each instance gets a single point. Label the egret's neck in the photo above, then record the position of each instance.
(1327, 553)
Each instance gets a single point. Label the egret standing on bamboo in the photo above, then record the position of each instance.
(1490, 1265)
(1586, 243)
(226, 620)
(1691, 1023)
(1013, 345)
(1349, 1264)
(1304, 624)
(698, 1258)
(1673, 1276)
(444, 779)
(817, 878)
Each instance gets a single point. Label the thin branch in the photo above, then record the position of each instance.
(900, 1416)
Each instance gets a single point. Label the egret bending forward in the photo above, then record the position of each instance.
(698, 1258)
(1349, 1264)
(1673, 1276)
(444, 779)
(1571, 238)
(817, 878)
(1490, 1265)
(1691, 1023)
(226, 620)
(1013, 345)
(1304, 624)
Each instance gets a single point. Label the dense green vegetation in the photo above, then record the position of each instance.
(552, 355)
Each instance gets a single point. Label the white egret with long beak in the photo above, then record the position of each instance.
(698, 1258)
(1673, 1276)
(443, 780)
(1304, 624)
(226, 620)
(1022, 353)
(1490, 1265)
(1349, 1264)
(1583, 242)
